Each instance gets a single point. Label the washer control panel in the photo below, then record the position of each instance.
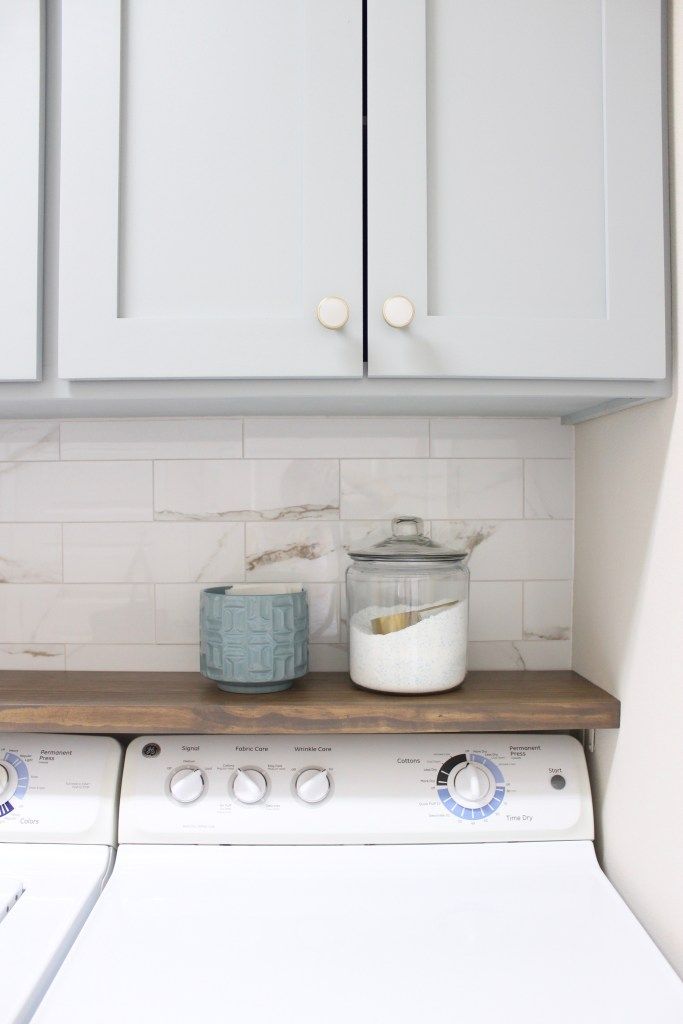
(58, 789)
(354, 789)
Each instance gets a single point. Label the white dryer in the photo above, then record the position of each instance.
(345, 879)
(58, 807)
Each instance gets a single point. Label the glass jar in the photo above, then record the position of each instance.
(408, 606)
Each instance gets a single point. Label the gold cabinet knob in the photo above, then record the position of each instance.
(398, 311)
(332, 312)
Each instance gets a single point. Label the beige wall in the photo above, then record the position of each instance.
(628, 629)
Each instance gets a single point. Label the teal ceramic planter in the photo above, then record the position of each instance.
(254, 638)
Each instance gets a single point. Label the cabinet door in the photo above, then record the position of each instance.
(211, 188)
(21, 198)
(516, 188)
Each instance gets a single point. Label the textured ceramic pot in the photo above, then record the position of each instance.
(254, 638)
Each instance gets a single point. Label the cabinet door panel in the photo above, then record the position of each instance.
(516, 188)
(211, 188)
(21, 200)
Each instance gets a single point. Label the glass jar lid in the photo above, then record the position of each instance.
(407, 543)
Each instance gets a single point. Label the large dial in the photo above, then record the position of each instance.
(470, 786)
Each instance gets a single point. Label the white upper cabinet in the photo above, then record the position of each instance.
(21, 199)
(516, 189)
(211, 189)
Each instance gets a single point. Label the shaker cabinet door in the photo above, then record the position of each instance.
(211, 189)
(516, 189)
(21, 199)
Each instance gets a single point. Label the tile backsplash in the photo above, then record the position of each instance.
(110, 528)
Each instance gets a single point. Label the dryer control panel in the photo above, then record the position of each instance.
(58, 789)
(355, 789)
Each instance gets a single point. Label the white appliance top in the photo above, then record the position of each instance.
(354, 789)
(525, 933)
(58, 797)
(58, 789)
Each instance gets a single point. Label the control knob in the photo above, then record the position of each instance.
(4, 780)
(187, 785)
(249, 786)
(471, 783)
(313, 785)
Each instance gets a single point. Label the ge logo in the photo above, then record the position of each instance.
(151, 750)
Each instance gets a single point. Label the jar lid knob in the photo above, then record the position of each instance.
(407, 526)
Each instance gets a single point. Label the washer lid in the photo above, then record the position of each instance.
(60, 883)
(516, 932)
(408, 543)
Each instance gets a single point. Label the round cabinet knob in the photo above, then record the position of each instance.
(333, 312)
(4, 780)
(471, 783)
(313, 785)
(187, 785)
(249, 786)
(398, 311)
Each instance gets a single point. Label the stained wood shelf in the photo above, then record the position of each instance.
(322, 702)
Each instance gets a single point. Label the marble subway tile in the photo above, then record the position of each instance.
(532, 655)
(76, 613)
(177, 612)
(29, 440)
(491, 437)
(30, 553)
(198, 438)
(515, 550)
(250, 489)
(496, 611)
(32, 657)
(132, 658)
(548, 610)
(75, 492)
(336, 437)
(328, 658)
(292, 552)
(431, 488)
(549, 488)
(323, 612)
(153, 552)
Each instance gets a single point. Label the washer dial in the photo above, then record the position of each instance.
(13, 782)
(470, 786)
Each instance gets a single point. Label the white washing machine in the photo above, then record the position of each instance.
(58, 808)
(344, 879)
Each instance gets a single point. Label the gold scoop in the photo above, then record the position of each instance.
(401, 620)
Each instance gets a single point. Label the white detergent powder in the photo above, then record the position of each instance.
(429, 656)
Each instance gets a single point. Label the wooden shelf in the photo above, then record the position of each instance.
(322, 702)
